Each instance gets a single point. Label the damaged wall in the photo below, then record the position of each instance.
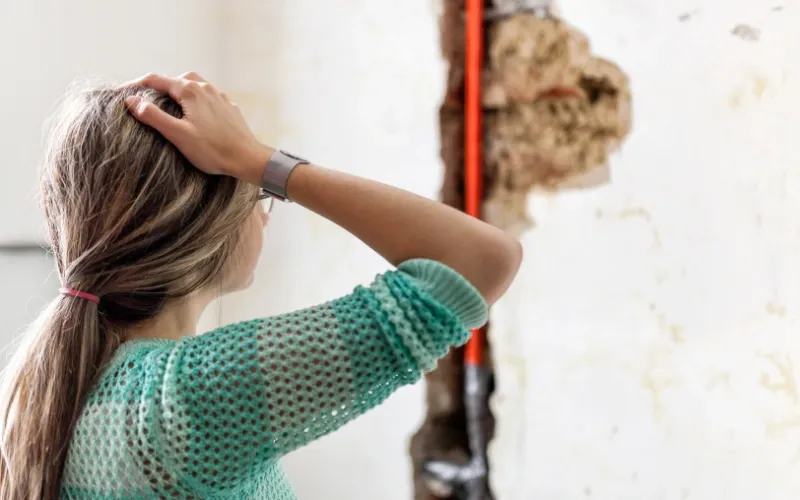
(554, 113)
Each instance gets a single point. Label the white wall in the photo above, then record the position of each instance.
(46, 44)
(354, 85)
(29, 283)
(647, 348)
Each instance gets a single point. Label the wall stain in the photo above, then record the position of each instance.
(746, 32)
(775, 309)
(633, 212)
(644, 214)
(687, 16)
(775, 428)
(675, 331)
(656, 239)
(654, 384)
(756, 86)
(735, 101)
(784, 382)
(759, 86)
(779, 428)
(656, 388)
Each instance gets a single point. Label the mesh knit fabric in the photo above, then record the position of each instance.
(210, 416)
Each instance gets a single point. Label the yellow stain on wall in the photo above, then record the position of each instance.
(636, 212)
(755, 86)
(675, 331)
(784, 381)
(654, 383)
(775, 309)
(656, 387)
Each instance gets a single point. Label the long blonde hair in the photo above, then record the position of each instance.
(130, 220)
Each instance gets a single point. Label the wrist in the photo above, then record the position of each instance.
(250, 168)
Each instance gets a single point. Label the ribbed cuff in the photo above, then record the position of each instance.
(450, 289)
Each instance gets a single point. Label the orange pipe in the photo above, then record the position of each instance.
(473, 158)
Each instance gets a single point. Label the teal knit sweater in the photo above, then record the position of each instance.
(210, 416)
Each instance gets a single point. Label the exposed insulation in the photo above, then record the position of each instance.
(553, 112)
(556, 112)
(527, 56)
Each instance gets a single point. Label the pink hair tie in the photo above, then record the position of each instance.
(80, 295)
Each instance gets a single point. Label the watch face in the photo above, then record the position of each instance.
(294, 157)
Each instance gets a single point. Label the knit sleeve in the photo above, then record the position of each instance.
(233, 400)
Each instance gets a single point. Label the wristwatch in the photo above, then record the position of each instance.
(277, 172)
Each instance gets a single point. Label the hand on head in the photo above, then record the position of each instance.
(212, 134)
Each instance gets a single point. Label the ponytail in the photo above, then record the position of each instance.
(43, 390)
(128, 218)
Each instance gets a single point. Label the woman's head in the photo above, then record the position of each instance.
(132, 221)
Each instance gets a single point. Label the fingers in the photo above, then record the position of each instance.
(161, 83)
(183, 87)
(148, 113)
(191, 75)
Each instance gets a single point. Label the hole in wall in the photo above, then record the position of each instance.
(553, 113)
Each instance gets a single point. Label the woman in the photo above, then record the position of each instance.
(151, 192)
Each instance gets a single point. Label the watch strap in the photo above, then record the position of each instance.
(277, 172)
